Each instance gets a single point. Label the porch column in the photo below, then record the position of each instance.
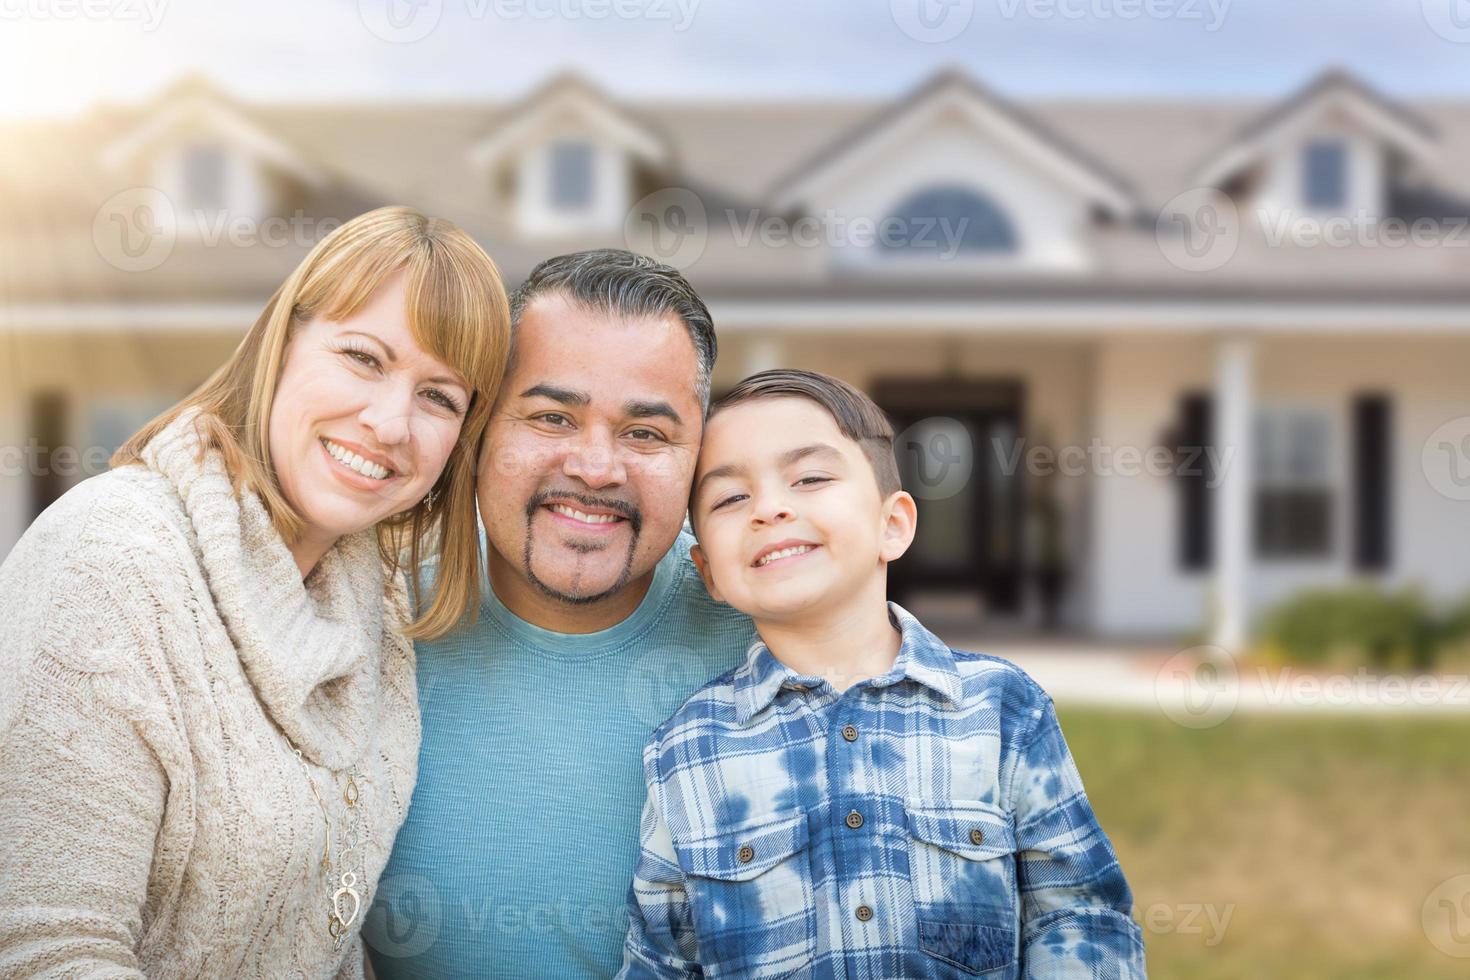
(15, 479)
(1234, 380)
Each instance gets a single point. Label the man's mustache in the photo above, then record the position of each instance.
(622, 508)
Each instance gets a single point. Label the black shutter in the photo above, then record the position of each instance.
(1372, 481)
(1192, 461)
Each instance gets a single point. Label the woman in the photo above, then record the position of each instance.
(208, 720)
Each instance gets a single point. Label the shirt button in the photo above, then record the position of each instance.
(849, 733)
(854, 820)
(864, 913)
(746, 854)
(977, 836)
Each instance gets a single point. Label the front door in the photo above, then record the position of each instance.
(958, 454)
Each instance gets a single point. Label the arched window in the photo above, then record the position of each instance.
(945, 219)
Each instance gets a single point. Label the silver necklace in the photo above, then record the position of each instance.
(346, 901)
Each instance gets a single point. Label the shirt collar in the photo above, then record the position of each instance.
(922, 658)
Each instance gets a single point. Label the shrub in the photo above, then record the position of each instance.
(1361, 626)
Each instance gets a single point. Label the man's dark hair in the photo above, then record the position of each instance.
(622, 283)
(857, 417)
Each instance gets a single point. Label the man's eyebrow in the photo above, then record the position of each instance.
(651, 409)
(785, 459)
(566, 396)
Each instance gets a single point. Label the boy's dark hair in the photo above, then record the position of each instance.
(854, 412)
(623, 283)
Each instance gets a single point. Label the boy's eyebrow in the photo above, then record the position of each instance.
(784, 460)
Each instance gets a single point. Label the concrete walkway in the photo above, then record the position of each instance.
(1198, 691)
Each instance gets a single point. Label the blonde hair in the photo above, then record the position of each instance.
(457, 311)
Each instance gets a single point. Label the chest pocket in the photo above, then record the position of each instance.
(750, 894)
(962, 863)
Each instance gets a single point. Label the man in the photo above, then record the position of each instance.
(519, 846)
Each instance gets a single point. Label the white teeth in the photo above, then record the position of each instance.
(356, 462)
(584, 518)
(800, 549)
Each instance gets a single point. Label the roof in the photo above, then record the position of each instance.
(421, 155)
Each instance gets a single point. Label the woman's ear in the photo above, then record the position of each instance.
(702, 563)
(900, 522)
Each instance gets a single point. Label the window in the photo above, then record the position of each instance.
(571, 176)
(204, 177)
(1324, 174)
(1293, 497)
(939, 220)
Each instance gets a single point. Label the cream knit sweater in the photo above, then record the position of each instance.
(159, 648)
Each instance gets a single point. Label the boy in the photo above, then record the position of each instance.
(856, 799)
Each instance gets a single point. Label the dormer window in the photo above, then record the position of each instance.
(938, 218)
(571, 175)
(204, 177)
(1324, 175)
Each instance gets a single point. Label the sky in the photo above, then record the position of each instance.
(58, 57)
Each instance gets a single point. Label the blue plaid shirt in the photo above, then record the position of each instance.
(926, 823)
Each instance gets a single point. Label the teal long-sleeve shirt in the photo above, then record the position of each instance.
(520, 842)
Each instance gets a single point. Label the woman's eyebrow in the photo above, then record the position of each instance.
(438, 379)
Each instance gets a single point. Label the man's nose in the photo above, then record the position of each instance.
(594, 460)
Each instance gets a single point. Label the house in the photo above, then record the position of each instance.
(1167, 361)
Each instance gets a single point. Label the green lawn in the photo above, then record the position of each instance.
(1319, 837)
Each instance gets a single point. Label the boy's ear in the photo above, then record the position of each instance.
(900, 522)
(702, 563)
